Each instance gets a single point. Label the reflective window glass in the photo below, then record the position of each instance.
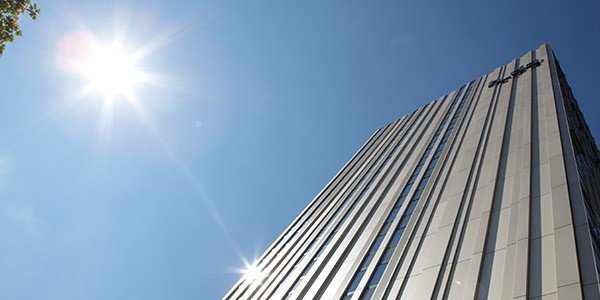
(368, 293)
(356, 281)
(376, 244)
(378, 273)
(404, 221)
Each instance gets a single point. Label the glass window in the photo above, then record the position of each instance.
(376, 244)
(417, 194)
(387, 255)
(367, 262)
(431, 164)
(404, 221)
(407, 189)
(396, 236)
(410, 208)
(401, 199)
(428, 171)
(386, 226)
(444, 139)
(418, 169)
(356, 281)
(412, 179)
(426, 153)
(368, 293)
(442, 144)
(310, 264)
(378, 273)
(330, 237)
(393, 213)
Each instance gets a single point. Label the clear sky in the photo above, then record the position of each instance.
(253, 106)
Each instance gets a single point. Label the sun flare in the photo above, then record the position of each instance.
(252, 272)
(111, 71)
(99, 72)
(104, 67)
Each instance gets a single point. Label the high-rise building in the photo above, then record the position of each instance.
(489, 192)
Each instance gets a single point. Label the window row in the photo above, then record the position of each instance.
(387, 253)
(397, 139)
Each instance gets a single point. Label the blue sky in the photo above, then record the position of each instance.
(259, 104)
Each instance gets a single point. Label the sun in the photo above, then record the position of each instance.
(110, 70)
(104, 67)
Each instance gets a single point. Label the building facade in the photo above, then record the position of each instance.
(489, 192)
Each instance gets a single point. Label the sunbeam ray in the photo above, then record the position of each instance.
(186, 24)
(113, 70)
(146, 120)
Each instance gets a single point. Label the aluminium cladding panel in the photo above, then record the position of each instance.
(420, 230)
(340, 263)
(417, 209)
(409, 277)
(357, 161)
(503, 216)
(421, 239)
(285, 263)
(443, 231)
(495, 255)
(395, 183)
(375, 157)
(553, 257)
(482, 171)
(360, 219)
(573, 188)
(317, 204)
(284, 288)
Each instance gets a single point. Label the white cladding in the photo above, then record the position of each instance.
(509, 208)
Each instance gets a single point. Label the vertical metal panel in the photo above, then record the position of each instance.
(504, 214)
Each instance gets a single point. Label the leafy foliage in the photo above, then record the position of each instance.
(10, 12)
